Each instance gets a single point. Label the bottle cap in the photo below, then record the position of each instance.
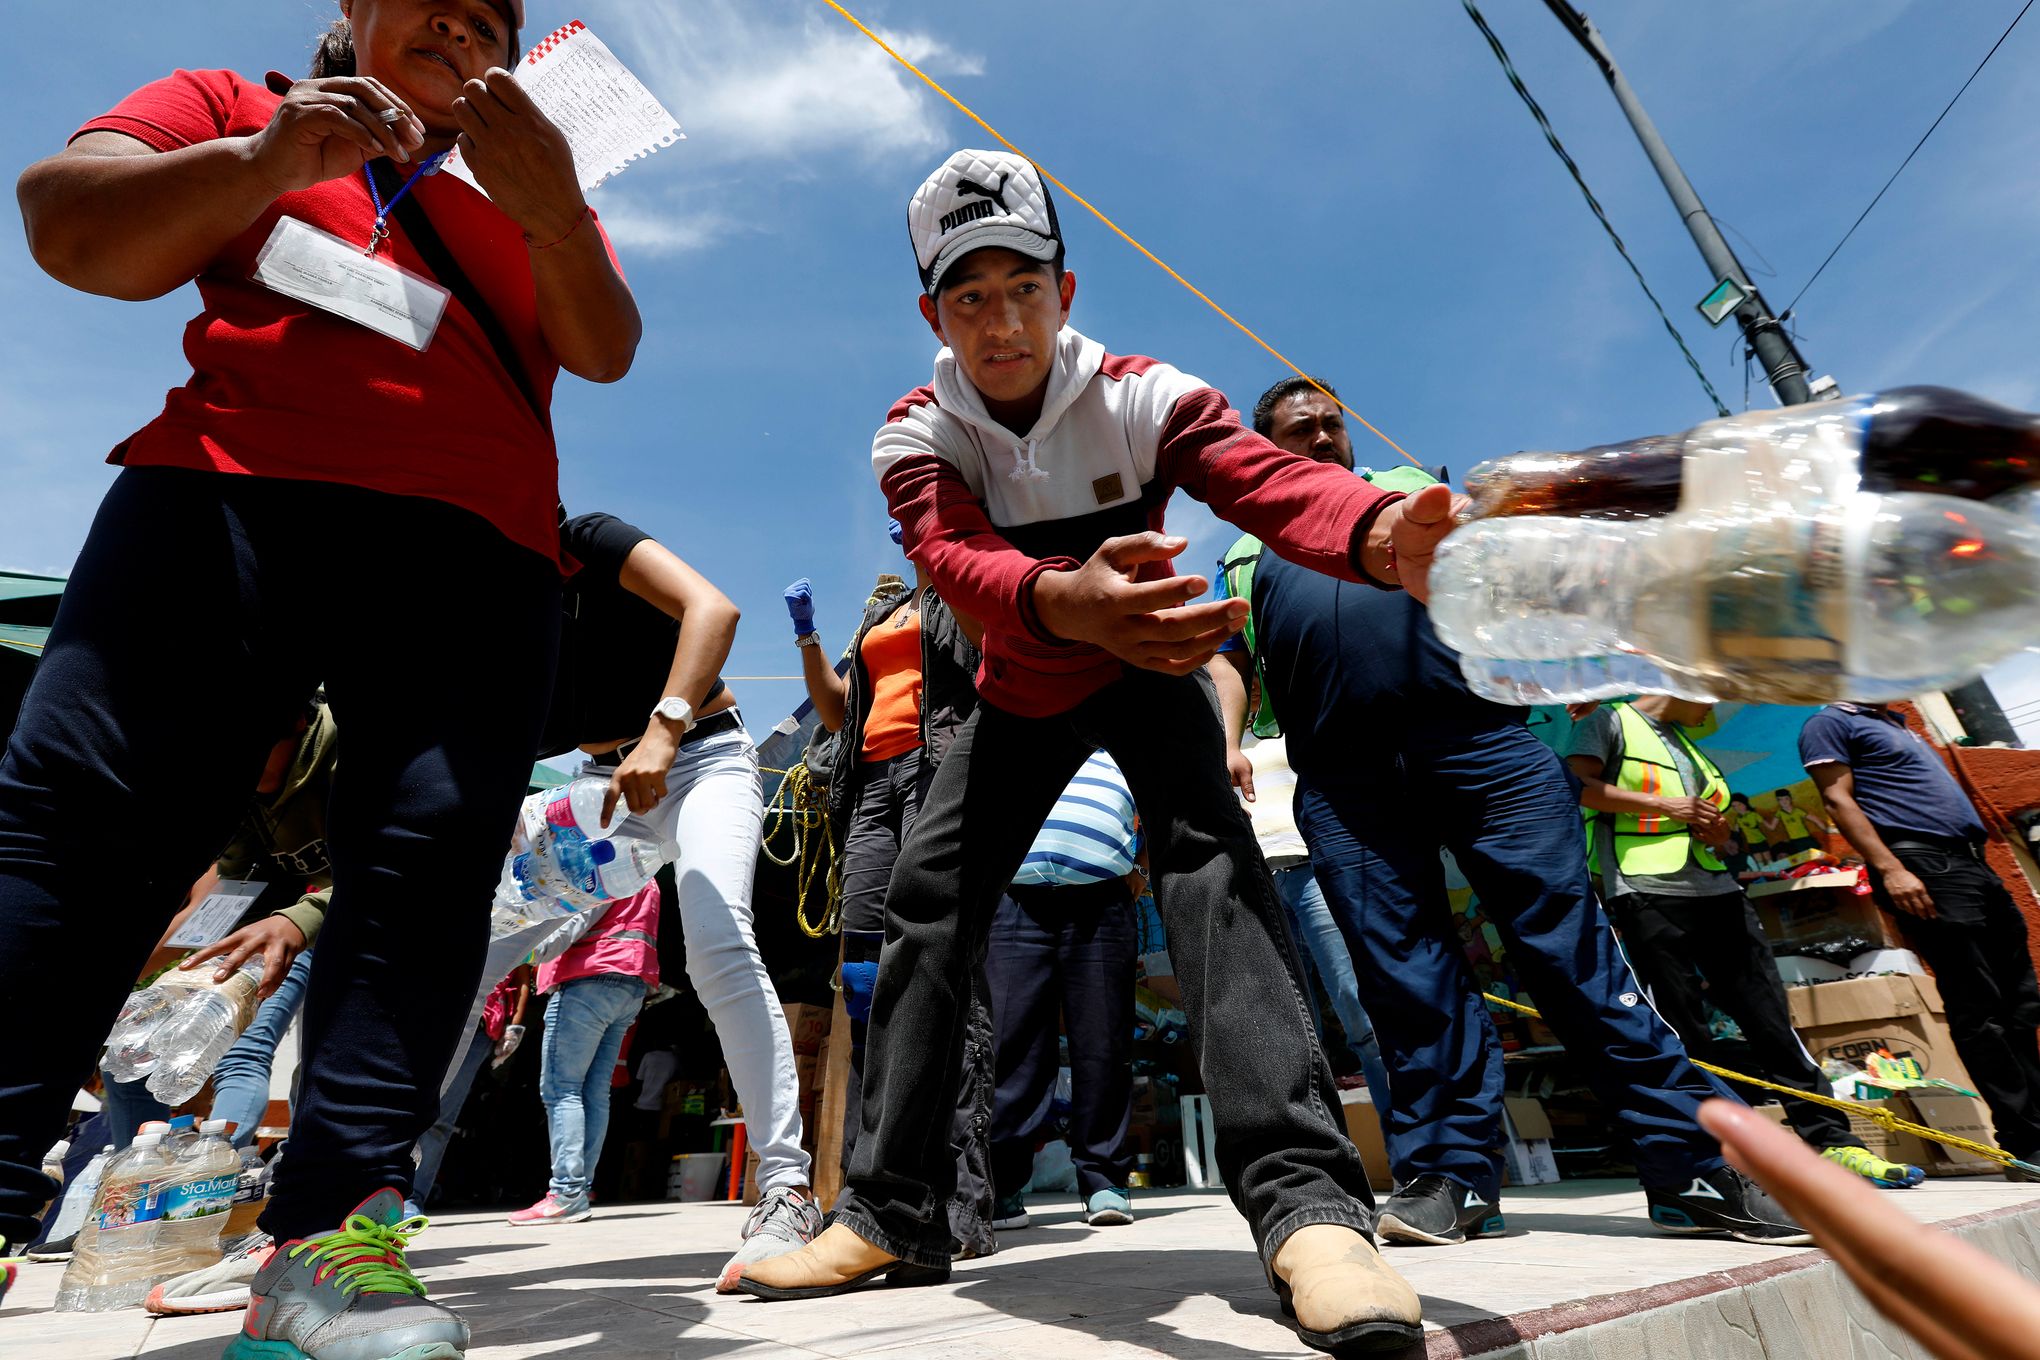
(107, 1150)
(218, 1126)
(148, 1140)
(155, 1126)
(602, 852)
(58, 1150)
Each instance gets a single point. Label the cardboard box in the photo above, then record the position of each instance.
(808, 1024)
(1963, 1116)
(1363, 1126)
(1527, 1158)
(1901, 1012)
(1892, 1145)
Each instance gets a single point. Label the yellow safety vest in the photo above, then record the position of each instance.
(1651, 845)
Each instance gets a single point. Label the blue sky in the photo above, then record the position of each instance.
(1357, 181)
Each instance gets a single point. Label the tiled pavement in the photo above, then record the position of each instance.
(636, 1281)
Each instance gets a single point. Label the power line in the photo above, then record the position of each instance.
(1909, 157)
(1551, 135)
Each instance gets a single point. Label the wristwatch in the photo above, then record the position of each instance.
(675, 709)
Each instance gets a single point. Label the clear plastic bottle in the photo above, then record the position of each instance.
(189, 1044)
(1773, 598)
(80, 1197)
(115, 1263)
(1931, 440)
(130, 1048)
(196, 1200)
(560, 876)
(576, 807)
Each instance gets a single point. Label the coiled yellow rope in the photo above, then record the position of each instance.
(800, 807)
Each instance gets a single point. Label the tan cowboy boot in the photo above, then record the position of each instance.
(1346, 1300)
(836, 1262)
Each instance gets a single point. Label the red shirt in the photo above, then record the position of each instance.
(282, 389)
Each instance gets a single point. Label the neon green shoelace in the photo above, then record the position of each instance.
(367, 1257)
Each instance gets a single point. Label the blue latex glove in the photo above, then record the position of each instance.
(893, 531)
(800, 606)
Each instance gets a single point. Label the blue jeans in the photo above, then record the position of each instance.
(1508, 809)
(241, 1081)
(585, 1022)
(129, 1106)
(432, 1147)
(1323, 949)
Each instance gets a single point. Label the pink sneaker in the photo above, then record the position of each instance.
(550, 1210)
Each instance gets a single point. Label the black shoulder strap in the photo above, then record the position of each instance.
(425, 239)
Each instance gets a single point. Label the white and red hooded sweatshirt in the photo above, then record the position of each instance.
(985, 512)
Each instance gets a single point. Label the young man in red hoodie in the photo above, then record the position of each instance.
(1030, 478)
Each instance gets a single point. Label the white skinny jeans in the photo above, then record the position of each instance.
(714, 809)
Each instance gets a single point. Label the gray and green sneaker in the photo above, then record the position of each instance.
(348, 1295)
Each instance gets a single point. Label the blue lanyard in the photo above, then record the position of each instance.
(383, 210)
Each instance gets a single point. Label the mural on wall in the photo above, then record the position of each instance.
(1776, 810)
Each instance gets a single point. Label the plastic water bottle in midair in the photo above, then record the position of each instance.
(1865, 549)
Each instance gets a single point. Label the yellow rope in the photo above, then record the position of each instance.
(797, 804)
(1883, 1118)
(1117, 230)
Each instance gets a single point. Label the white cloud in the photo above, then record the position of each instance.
(752, 79)
(639, 229)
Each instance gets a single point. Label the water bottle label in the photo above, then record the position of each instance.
(131, 1205)
(559, 812)
(196, 1199)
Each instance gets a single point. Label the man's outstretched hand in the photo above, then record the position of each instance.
(1404, 539)
(1150, 624)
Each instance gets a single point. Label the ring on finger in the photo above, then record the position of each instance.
(389, 117)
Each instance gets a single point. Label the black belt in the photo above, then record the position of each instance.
(729, 720)
(1941, 845)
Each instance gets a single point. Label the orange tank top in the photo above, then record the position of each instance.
(892, 658)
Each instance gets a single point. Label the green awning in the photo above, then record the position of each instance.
(20, 637)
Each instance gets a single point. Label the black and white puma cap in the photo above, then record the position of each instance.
(979, 199)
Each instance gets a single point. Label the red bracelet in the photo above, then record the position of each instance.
(586, 213)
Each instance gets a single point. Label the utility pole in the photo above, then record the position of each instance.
(1784, 368)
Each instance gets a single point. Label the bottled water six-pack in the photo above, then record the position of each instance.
(175, 1030)
(1870, 549)
(564, 860)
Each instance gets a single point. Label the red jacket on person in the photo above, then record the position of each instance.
(984, 512)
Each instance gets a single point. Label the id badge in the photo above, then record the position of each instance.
(216, 915)
(316, 267)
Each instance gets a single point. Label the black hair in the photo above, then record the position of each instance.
(334, 53)
(1054, 264)
(1264, 409)
(1742, 798)
(1782, 793)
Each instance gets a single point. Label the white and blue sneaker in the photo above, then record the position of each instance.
(348, 1295)
(1109, 1208)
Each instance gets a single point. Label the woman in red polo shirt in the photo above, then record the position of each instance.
(356, 486)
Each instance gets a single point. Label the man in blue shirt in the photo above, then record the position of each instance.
(1897, 805)
(1062, 949)
(1396, 759)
